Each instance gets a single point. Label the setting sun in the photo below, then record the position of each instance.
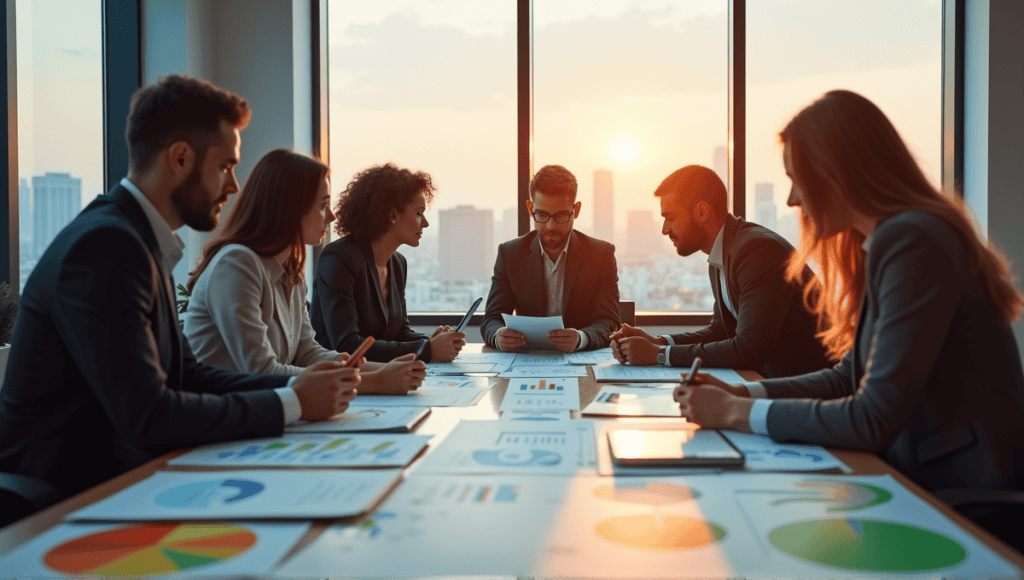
(624, 149)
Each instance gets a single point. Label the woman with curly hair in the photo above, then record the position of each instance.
(916, 302)
(359, 289)
(247, 311)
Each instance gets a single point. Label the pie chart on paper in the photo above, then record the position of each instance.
(148, 549)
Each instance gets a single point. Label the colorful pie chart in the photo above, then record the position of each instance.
(149, 549)
(868, 545)
(662, 533)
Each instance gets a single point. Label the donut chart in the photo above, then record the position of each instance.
(869, 545)
(149, 549)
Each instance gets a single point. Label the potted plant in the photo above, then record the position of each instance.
(8, 316)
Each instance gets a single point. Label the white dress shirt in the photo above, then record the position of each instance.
(554, 280)
(171, 251)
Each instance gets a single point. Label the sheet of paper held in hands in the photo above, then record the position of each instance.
(536, 328)
(618, 373)
(310, 450)
(394, 419)
(251, 494)
(542, 395)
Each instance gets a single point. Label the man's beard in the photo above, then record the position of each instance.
(553, 240)
(194, 205)
(693, 237)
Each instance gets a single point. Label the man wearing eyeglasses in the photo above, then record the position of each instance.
(554, 271)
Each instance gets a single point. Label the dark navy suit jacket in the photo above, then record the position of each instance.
(772, 332)
(590, 296)
(348, 305)
(100, 378)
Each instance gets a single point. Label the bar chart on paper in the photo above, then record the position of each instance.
(312, 449)
(537, 394)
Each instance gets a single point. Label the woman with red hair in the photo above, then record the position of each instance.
(916, 303)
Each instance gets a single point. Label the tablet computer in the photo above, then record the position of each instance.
(675, 447)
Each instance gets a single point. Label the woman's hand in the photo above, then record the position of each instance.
(713, 403)
(397, 377)
(445, 346)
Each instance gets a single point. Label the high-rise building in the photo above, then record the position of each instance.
(765, 211)
(604, 214)
(642, 239)
(720, 164)
(465, 243)
(25, 221)
(56, 200)
(509, 225)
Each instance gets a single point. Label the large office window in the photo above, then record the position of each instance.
(625, 94)
(60, 115)
(432, 86)
(622, 94)
(890, 52)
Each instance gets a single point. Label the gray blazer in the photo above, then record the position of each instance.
(240, 319)
(933, 382)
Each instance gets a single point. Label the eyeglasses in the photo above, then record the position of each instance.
(561, 217)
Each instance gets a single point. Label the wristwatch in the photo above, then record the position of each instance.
(663, 355)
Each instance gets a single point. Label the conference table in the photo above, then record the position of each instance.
(439, 423)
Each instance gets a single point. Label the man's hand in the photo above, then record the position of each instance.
(635, 350)
(445, 346)
(507, 339)
(714, 404)
(397, 377)
(626, 331)
(564, 339)
(441, 329)
(325, 389)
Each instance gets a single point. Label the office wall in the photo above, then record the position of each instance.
(256, 48)
(994, 126)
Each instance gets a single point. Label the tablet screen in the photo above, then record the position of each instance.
(683, 447)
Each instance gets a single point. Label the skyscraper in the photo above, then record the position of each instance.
(56, 200)
(604, 216)
(720, 164)
(26, 250)
(509, 225)
(466, 243)
(765, 211)
(642, 239)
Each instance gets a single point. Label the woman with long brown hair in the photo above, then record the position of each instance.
(247, 311)
(917, 304)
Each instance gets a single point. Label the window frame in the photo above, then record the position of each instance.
(122, 75)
